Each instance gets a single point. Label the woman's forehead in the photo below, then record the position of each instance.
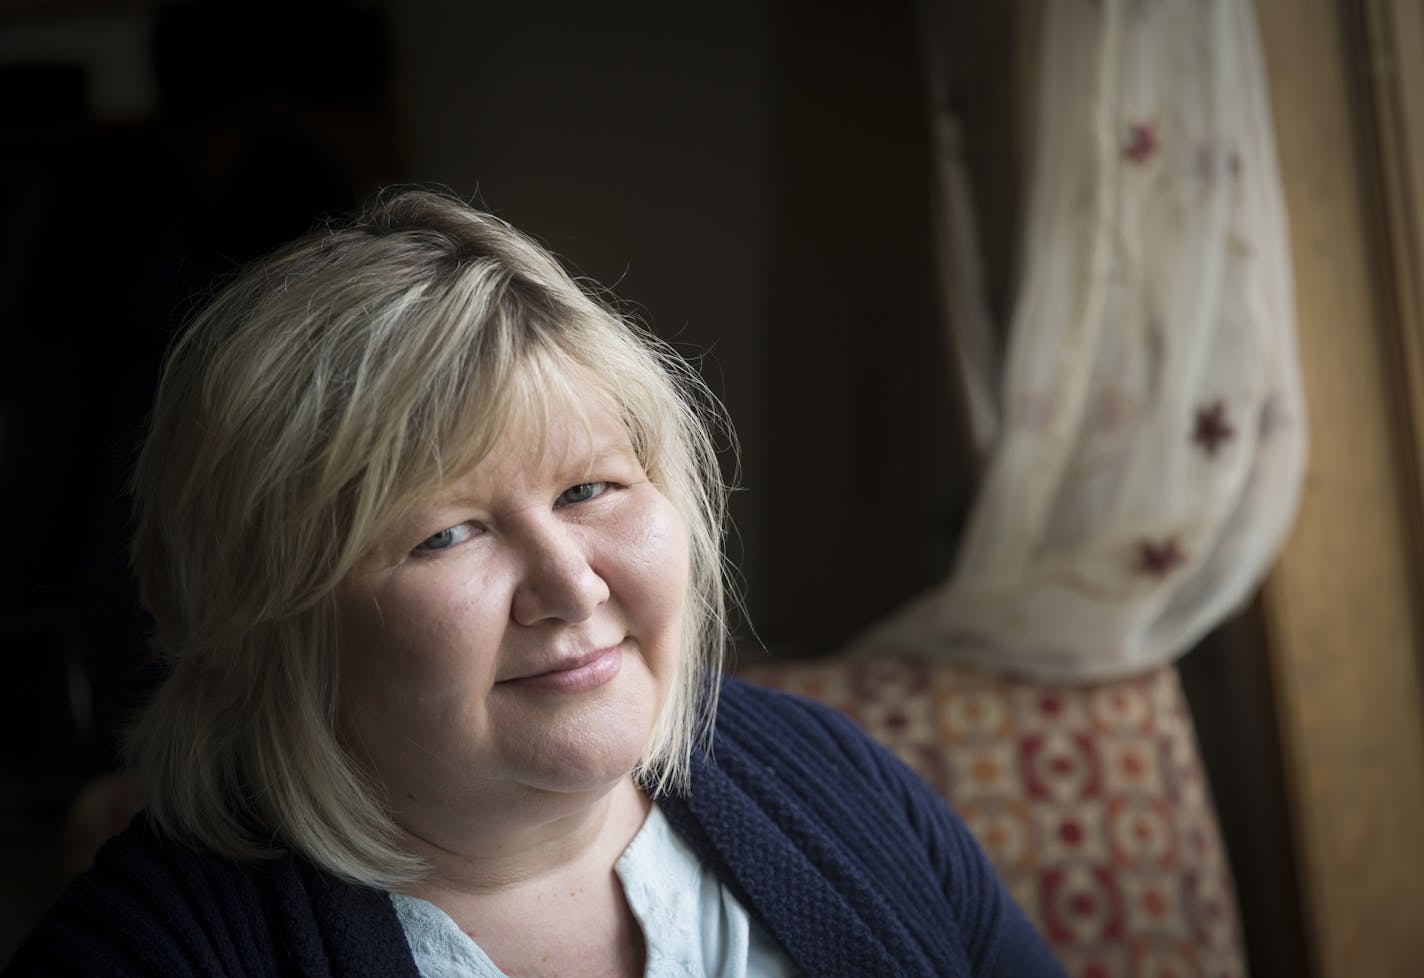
(565, 419)
(571, 429)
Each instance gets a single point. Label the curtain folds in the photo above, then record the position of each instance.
(1143, 428)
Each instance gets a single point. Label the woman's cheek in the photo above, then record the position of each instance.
(662, 546)
(430, 623)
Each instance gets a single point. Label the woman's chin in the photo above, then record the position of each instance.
(590, 763)
(580, 743)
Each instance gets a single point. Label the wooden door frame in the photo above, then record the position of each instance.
(1385, 50)
(1343, 606)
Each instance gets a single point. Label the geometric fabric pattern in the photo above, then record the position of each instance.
(1089, 800)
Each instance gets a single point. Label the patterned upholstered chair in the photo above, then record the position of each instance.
(1090, 801)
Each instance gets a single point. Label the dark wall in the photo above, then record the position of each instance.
(110, 227)
(144, 151)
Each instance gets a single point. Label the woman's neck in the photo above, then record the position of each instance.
(534, 836)
(543, 897)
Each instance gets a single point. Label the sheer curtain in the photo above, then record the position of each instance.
(1143, 427)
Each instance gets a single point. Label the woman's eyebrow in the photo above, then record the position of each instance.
(611, 449)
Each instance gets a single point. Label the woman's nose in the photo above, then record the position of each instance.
(558, 582)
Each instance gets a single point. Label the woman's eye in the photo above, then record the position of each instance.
(583, 492)
(445, 539)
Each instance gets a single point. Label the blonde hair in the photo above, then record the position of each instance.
(321, 391)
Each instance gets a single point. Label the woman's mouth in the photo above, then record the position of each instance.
(574, 675)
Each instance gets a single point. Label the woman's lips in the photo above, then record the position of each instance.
(583, 673)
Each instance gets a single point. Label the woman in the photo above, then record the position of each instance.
(431, 540)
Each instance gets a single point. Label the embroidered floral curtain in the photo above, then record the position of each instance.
(1143, 428)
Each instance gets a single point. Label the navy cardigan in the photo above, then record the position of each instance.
(851, 863)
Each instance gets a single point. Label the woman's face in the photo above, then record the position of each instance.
(521, 629)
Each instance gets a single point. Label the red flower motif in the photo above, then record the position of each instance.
(1212, 428)
(1158, 559)
(1142, 142)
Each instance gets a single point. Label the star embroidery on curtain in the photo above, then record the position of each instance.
(1212, 429)
(1142, 142)
(1159, 558)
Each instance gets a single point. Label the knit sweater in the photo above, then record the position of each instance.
(853, 865)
